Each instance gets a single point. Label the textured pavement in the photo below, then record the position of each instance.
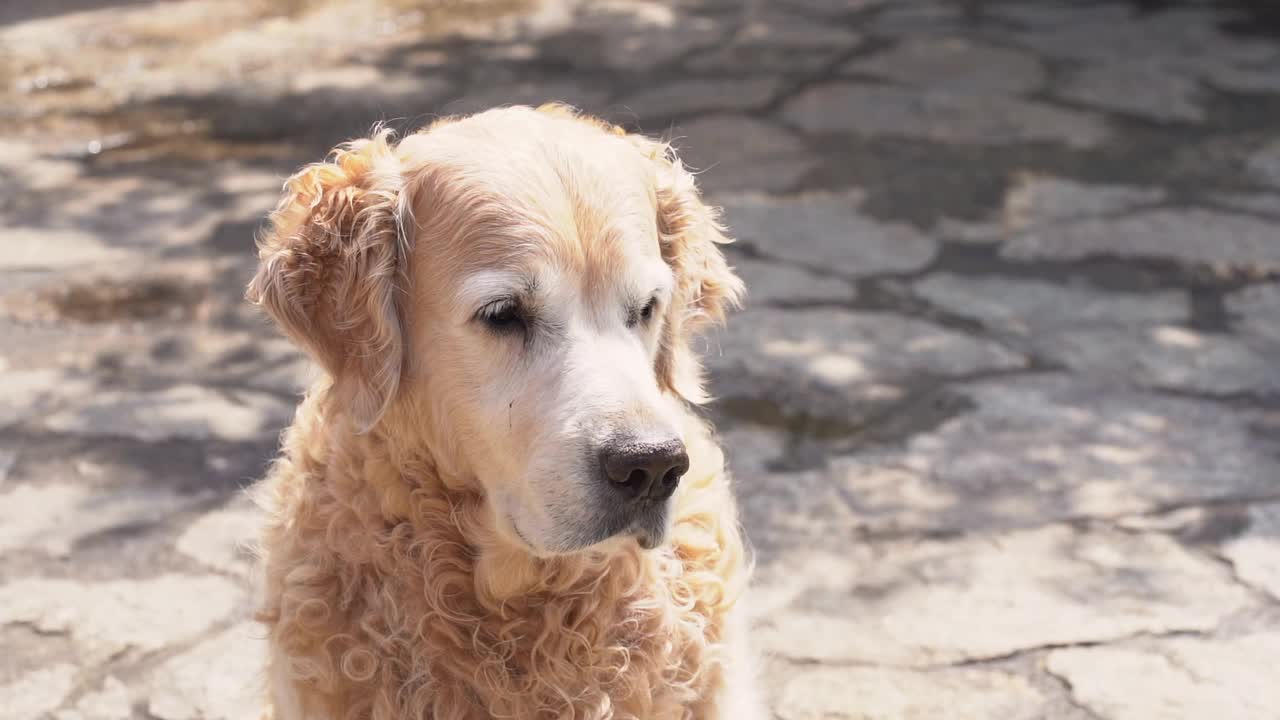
(1003, 409)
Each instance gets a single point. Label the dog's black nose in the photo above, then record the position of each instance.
(645, 470)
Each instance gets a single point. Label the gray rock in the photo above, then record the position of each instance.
(1035, 200)
(633, 37)
(838, 364)
(1173, 358)
(223, 539)
(219, 679)
(1265, 164)
(771, 29)
(782, 510)
(1032, 309)
(1244, 78)
(105, 619)
(928, 602)
(954, 65)
(738, 153)
(835, 8)
(8, 458)
(1255, 554)
(1041, 449)
(1145, 89)
(1118, 336)
(932, 18)
(1051, 15)
(34, 248)
(22, 167)
(183, 411)
(947, 117)
(1261, 203)
(53, 517)
(863, 693)
(525, 92)
(37, 692)
(769, 42)
(111, 702)
(1257, 309)
(28, 393)
(772, 282)
(1239, 242)
(826, 230)
(702, 95)
(1186, 38)
(1038, 199)
(1175, 679)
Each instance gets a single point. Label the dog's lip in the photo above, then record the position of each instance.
(648, 540)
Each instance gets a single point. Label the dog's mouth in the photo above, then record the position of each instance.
(650, 526)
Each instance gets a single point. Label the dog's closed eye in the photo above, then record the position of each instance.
(505, 315)
(643, 314)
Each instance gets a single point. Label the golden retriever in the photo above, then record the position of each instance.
(498, 502)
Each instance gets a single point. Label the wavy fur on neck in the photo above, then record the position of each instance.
(388, 595)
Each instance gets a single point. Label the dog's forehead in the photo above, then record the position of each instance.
(537, 191)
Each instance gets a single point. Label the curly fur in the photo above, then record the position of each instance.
(387, 595)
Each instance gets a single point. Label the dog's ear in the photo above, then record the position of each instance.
(689, 232)
(331, 269)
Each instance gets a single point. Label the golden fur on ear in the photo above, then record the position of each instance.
(331, 268)
(689, 231)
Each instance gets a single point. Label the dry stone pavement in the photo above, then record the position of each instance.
(1003, 408)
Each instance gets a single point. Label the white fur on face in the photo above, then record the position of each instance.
(557, 224)
(550, 395)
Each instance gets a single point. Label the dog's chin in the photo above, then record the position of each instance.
(649, 529)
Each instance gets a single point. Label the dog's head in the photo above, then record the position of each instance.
(518, 291)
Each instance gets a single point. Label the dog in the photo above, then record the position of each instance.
(499, 500)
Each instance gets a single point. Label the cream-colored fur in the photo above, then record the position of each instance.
(434, 548)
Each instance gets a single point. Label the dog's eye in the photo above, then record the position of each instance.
(503, 316)
(644, 314)
(647, 311)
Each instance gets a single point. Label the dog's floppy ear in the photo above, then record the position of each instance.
(330, 271)
(689, 232)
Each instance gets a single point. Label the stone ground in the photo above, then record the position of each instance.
(1004, 408)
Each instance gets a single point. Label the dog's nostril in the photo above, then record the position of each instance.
(672, 477)
(636, 479)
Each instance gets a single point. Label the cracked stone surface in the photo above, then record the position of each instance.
(220, 679)
(1149, 91)
(110, 702)
(858, 693)
(222, 540)
(186, 411)
(826, 231)
(108, 618)
(1255, 553)
(822, 360)
(1214, 677)
(1042, 449)
(71, 512)
(1177, 235)
(37, 692)
(1002, 410)
(986, 597)
(1135, 337)
(1036, 200)
(736, 152)
(955, 65)
(943, 117)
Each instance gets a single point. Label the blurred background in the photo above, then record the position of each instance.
(1003, 408)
